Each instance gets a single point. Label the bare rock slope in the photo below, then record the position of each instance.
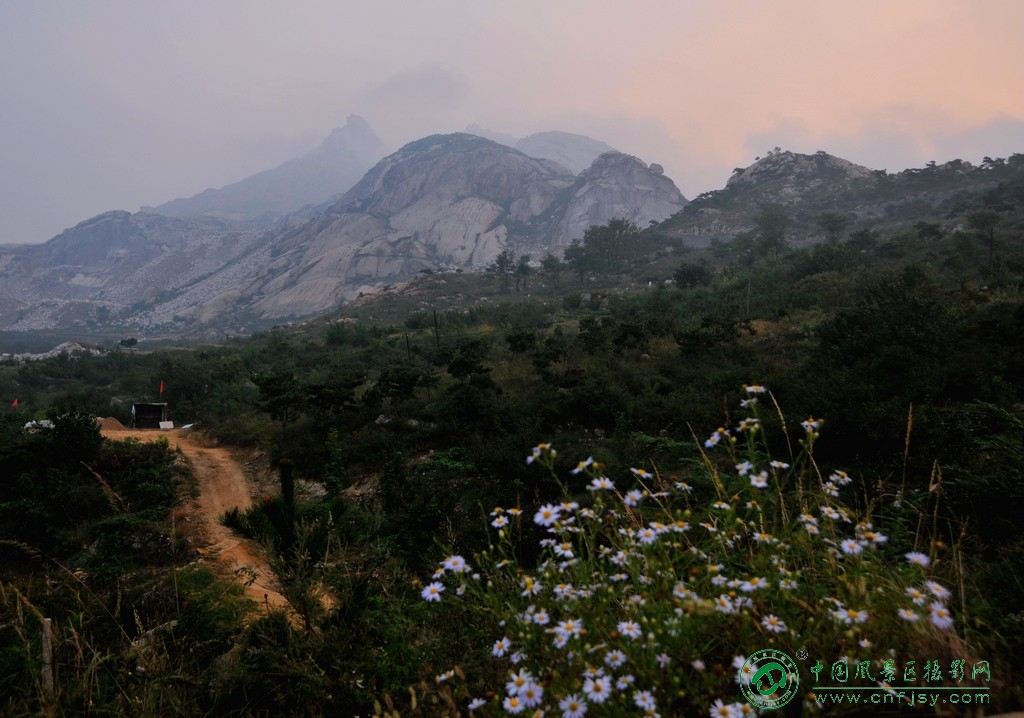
(451, 201)
(445, 201)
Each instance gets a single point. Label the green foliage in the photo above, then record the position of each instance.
(714, 331)
(889, 350)
(833, 224)
(984, 222)
(609, 249)
(504, 267)
(692, 274)
(822, 258)
(67, 488)
(551, 266)
(281, 394)
(659, 450)
(772, 222)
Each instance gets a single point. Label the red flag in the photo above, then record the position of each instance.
(161, 387)
(15, 403)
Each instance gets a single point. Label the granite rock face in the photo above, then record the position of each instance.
(452, 201)
(442, 201)
(622, 186)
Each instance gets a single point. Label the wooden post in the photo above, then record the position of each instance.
(48, 657)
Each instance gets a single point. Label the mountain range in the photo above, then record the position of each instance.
(322, 229)
(300, 238)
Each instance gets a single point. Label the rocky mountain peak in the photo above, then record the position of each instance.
(796, 180)
(453, 166)
(356, 137)
(619, 185)
(443, 200)
(795, 167)
(355, 126)
(614, 161)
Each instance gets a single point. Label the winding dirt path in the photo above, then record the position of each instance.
(222, 486)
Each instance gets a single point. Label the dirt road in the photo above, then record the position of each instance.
(222, 486)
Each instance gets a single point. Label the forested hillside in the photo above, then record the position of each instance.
(400, 429)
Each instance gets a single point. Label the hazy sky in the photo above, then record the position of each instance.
(113, 104)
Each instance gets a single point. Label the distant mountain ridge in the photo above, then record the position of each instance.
(323, 174)
(441, 202)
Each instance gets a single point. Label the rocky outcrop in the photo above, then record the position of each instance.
(617, 185)
(807, 186)
(70, 349)
(790, 177)
(317, 177)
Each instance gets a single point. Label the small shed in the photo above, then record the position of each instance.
(148, 415)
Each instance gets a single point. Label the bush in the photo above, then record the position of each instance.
(692, 274)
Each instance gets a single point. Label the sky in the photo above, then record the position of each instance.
(117, 104)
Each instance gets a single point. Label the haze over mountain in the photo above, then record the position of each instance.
(577, 152)
(314, 178)
(122, 104)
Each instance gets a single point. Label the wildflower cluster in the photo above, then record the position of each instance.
(645, 599)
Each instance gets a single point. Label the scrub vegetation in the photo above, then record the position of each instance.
(869, 502)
